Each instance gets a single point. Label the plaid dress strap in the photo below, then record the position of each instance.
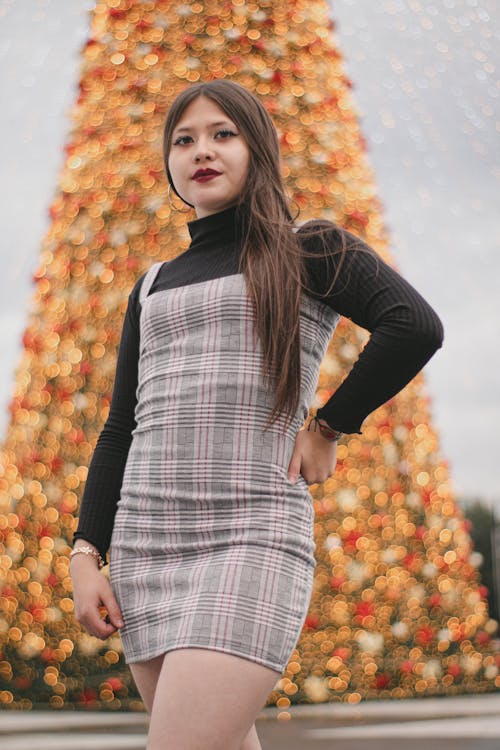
(148, 280)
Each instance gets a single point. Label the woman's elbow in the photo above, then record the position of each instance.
(431, 332)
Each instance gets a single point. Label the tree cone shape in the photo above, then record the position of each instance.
(398, 609)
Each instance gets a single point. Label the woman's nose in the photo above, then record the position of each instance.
(203, 148)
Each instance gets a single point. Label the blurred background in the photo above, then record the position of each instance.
(425, 82)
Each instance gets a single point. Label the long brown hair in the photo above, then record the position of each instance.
(272, 255)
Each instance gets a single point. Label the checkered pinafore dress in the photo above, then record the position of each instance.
(212, 544)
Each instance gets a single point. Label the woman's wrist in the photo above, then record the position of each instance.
(86, 549)
(324, 428)
(83, 559)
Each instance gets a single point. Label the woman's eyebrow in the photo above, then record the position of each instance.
(212, 124)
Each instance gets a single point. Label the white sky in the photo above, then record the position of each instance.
(425, 82)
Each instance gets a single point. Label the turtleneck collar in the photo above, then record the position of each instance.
(222, 226)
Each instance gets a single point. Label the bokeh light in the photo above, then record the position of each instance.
(398, 609)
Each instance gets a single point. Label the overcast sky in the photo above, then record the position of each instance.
(426, 87)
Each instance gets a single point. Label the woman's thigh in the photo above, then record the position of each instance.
(207, 700)
(145, 674)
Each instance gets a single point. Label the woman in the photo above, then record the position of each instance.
(199, 480)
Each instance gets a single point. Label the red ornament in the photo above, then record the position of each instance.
(364, 609)
(406, 666)
(88, 696)
(54, 211)
(102, 238)
(22, 682)
(426, 496)
(435, 600)
(482, 638)
(134, 198)
(351, 538)
(36, 611)
(342, 653)
(311, 622)
(22, 523)
(258, 45)
(132, 263)
(115, 683)
(55, 465)
(409, 560)
(48, 654)
(356, 217)
(76, 436)
(424, 635)
(337, 581)
(382, 680)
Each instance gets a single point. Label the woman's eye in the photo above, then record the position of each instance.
(225, 130)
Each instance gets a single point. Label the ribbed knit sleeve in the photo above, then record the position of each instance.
(405, 330)
(106, 469)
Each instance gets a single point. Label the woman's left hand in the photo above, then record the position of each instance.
(314, 456)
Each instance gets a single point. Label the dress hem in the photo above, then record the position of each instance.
(234, 652)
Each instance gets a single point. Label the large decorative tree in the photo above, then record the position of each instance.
(398, 609)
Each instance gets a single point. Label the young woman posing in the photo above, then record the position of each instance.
(199, 483)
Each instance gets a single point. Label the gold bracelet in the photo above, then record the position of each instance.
(89, 551)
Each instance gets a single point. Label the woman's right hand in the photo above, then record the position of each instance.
(91, 591)
(314, 456)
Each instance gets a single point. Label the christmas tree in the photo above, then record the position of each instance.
(398, 609)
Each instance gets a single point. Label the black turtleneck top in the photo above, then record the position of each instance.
(405, 333)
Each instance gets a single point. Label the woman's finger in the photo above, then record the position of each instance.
(114, 615)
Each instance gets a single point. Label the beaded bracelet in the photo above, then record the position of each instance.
(89, 551)
(328, 432)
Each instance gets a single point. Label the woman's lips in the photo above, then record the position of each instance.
(205, 177)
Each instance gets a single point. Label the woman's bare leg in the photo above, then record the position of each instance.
(145, 675)
(251, 741)
(206, 700)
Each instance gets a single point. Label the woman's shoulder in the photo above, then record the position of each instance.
(318, 228)
(322, 237)
(147, 278)
(321, 226)
(135, 295)
(326, 237)
(314, 223)
(136, 289)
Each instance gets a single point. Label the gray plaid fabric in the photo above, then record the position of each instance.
(212, 545)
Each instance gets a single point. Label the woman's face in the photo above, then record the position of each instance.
(206, 138)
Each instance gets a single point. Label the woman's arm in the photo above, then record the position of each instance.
(405, 330)
(105, 475)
